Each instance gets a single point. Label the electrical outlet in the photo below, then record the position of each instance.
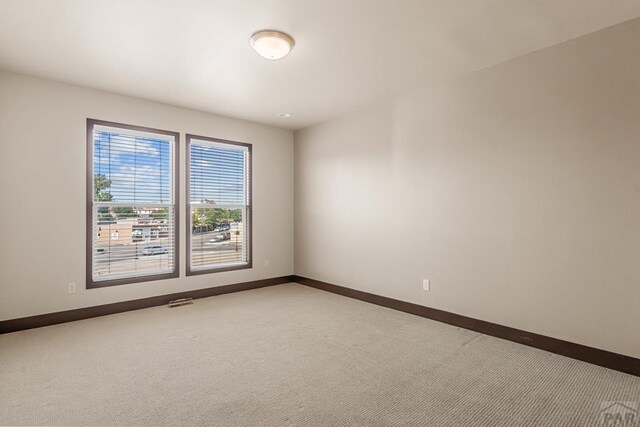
(71, 287)
(267, 263)
(426, 284)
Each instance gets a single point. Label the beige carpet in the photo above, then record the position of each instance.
(290, 355)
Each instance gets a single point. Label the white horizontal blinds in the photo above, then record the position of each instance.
(133, 204)
(219, 204)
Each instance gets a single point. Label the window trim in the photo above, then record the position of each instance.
(90, 283)
(248, 236)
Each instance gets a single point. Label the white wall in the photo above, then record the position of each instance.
(42, 177)
(515, 190)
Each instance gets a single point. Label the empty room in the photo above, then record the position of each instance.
(320, 213)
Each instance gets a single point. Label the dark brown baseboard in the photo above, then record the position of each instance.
(607, 359)
(23, 323)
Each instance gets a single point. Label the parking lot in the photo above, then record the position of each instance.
(205, 250)
(116, 258)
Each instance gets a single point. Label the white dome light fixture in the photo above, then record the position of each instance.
(272, 44)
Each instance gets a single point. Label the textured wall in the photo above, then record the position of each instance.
(515, 190)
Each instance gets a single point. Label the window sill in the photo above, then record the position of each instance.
(129, 280)
(197, 272)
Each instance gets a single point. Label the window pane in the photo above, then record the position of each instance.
(131, 169)
(217, 237)
(217, 174)
(132, 241)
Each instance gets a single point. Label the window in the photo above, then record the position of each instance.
(131, 204)
(219, 198)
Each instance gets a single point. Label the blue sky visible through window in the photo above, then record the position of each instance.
(139, 168)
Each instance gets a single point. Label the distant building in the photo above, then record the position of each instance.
(141, 228)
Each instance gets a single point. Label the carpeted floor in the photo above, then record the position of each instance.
(290, 355)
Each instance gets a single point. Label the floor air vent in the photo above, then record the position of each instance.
(180, 302)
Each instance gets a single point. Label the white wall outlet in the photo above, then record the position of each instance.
(426, 284)
(71, 287)
(267, 263)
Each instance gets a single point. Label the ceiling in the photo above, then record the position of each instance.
(348, 53)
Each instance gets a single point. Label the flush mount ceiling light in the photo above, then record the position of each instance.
(284, 115)
(272, 44)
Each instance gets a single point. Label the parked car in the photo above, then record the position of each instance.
(225, 235)
(222, 227)
(154, 250)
